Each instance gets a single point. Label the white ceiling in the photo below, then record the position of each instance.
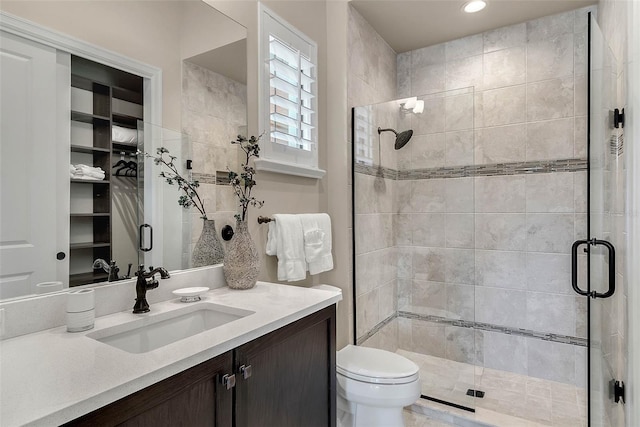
(412, 24)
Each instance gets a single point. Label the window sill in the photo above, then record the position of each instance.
(288, 168)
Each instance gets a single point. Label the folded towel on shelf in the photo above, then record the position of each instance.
(316, 229)
(89, 170)
(81, 171)
(87, 178)
(289, 247)
(124, 135)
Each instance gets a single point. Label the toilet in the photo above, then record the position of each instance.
(373, 386)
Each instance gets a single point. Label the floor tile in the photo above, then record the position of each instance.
(511, 400)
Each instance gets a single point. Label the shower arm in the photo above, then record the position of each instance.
(380, 130)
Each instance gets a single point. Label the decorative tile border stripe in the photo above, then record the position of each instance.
(564, 339)
(376, 329)
(222, 178)
(376, 171)
(204, 178)
(495, 169)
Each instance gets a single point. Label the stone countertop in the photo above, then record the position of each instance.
(51, 377)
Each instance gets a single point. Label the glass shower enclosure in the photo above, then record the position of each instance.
(465, 239)
(605, 231)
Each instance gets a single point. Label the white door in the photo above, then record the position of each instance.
(29, 169)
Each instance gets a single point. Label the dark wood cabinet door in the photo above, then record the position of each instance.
(293, 378)
(194, 397)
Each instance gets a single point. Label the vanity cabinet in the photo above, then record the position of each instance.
(194, 397)
(285, 378)
(292, 378)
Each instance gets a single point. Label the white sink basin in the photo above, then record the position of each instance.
(150, 333)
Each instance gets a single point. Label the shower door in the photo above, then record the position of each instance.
(164, 227)
(605, 232)
(414, 253)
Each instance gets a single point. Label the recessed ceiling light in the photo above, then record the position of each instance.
(474, 6)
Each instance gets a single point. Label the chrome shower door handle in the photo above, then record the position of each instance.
(612, 268)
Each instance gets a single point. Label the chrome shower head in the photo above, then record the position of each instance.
(401, 138)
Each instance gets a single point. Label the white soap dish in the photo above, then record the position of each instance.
(190, 294)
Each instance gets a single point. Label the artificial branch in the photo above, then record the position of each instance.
(188, 187)
(243, 183)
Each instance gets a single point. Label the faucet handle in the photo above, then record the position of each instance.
(140, 270)
(152, 282)
(113, 272)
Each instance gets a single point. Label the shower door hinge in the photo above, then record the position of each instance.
(618, 118)
(618, 391)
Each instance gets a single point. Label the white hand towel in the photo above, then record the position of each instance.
(272, 240)
(290, 248)
(316, 230)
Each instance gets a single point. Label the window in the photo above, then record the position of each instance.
(364, 135)
(288, 105)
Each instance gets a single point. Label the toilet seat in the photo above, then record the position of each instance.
(375, 366)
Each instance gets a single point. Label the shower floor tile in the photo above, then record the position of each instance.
(510, 400)
(416, 419)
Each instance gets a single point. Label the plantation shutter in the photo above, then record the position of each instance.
(291, 96)
(288, 98)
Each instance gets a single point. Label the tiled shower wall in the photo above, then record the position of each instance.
(372, 79)
(499, 240)
(214, 112)
(489, 196)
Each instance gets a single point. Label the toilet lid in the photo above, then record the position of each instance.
(373, 365)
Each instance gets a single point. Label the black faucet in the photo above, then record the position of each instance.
(113, 272)
(145, 282)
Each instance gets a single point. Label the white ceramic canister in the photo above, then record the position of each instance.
(46, 287)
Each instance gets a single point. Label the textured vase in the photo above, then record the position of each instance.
(241, 259)
(208, 249)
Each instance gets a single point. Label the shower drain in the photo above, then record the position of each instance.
(477, 393)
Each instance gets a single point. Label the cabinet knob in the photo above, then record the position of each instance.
(245, 371)
(229, 381)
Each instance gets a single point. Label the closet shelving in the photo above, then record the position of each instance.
(96, 96)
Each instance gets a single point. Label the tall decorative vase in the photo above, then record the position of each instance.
(208, 249)
(241, 259)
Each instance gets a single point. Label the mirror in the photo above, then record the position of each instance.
(201, 54)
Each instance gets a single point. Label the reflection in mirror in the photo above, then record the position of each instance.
(201, 54)
(105, 210)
